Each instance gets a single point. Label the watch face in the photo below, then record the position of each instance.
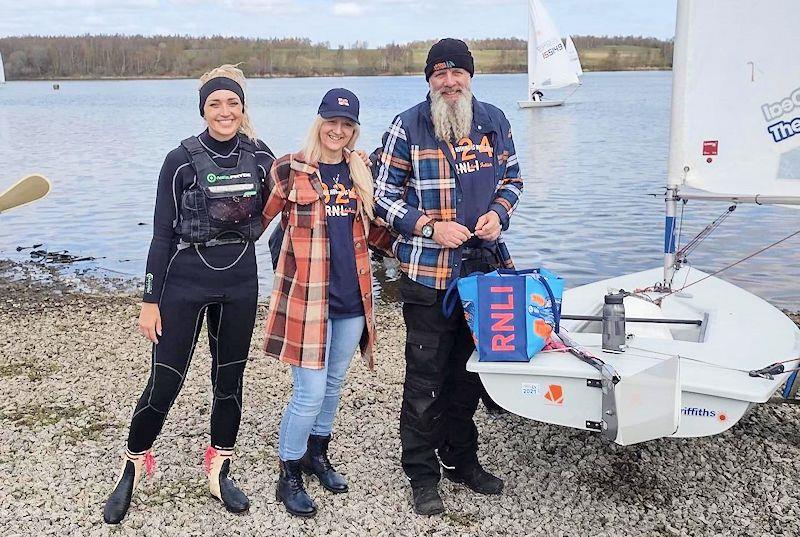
(427, 231)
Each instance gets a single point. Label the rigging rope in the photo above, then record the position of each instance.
(762, 250)
(703, 235)
(680, 227)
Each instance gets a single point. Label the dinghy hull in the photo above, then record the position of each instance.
(539, 104)
(739, 332)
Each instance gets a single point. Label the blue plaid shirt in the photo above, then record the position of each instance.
(417, 176)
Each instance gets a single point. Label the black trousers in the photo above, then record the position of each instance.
(226, 295)
(439, 395)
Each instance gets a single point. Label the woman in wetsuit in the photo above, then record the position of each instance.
(321, 303)
(202, 263)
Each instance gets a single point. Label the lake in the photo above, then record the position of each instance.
(590, 167)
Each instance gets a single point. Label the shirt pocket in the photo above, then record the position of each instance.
(304, 211)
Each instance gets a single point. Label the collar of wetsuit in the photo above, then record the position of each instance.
(223, 148)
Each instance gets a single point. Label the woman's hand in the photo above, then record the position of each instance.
(150, 321)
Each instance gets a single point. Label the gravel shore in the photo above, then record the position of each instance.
(72, 365)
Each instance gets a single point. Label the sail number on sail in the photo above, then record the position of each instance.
(550, 47)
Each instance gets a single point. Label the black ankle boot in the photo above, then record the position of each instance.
(315, 461)
(223, 488)
(292, 492)
(426, 499)
(120, 498)
(476, 478)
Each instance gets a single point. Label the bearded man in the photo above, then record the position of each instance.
(447, 183)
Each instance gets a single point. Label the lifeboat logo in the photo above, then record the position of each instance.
(554, 395)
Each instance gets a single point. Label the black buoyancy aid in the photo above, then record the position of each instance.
(223, 204)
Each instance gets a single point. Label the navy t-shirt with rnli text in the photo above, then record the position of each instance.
(474, 158)
(340, 210)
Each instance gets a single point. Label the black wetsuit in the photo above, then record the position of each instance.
(218, 281)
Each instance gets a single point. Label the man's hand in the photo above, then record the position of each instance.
(150, 321)
(450, 234)
(488, 227)
(364, 157)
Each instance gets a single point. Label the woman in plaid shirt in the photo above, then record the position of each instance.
(321, 305)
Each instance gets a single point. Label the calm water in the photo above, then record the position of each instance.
(589, 168)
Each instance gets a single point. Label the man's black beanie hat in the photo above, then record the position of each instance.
(448, 53)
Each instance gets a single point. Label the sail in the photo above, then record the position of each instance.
(2, 70)
(736, 97)
(574, 59)
(548, 63)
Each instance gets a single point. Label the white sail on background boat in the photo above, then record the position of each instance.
(549, 66)
(574, 59)
(2, 71)
(735, 133)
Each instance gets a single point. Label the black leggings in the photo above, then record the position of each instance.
(227, 295)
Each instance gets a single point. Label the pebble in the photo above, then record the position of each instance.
(75, 363)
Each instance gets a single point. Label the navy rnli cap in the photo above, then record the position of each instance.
(339, 102)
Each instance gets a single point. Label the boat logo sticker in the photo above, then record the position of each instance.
(710, 147)
(697, 412)
(773, 111)
(530, 388)
(554, 395)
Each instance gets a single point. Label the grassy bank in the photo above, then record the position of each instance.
(90, 57)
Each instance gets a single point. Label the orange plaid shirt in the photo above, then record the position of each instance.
(297, 322)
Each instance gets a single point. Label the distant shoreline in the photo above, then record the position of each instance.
(341, 75)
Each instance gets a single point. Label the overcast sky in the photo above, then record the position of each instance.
(339, 22)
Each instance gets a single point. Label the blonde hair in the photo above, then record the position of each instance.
(359, 173)
(234, 73)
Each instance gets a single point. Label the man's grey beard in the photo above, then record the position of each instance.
(452, 121)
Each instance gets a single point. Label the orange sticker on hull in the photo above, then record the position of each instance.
(554, 395)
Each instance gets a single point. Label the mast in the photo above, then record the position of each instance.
(676, 134)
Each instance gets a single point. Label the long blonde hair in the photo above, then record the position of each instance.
(234, 73)
(362, 177)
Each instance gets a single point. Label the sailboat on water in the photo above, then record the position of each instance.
(702, 351)
(2, 71)
(550, 64)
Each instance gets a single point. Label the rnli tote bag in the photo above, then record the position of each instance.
(511, 313)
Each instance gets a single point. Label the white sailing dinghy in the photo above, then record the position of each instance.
(549, 66)
(716, 349)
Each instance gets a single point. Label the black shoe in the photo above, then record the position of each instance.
(230, 495)
(222, 487)
(477, 479)
(292, 493)
(427, 500)
(315, 461)
(120, 498)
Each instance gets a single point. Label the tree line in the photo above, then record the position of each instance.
(102, 56)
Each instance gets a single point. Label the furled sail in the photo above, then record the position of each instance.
(736, 97)
(2, 71)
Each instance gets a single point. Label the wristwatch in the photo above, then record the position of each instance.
(427, 229)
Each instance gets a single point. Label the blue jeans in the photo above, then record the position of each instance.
(315, 397)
